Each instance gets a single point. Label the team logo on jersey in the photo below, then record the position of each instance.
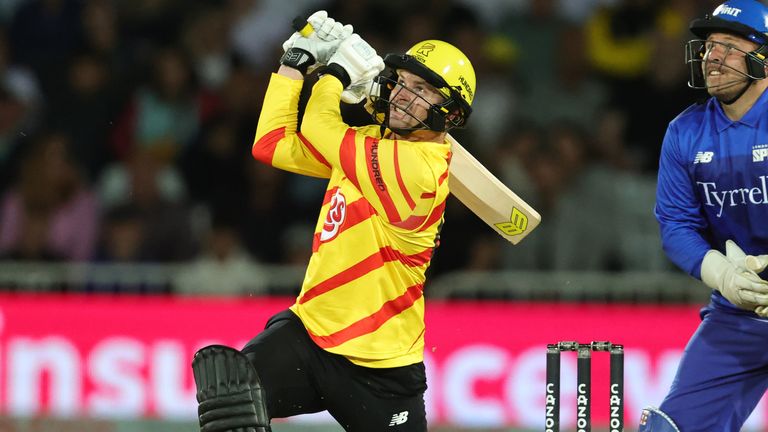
(760, 153)
(337, 212)
(703, 157)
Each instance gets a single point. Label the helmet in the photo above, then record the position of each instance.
(746, 18)
(443, 66)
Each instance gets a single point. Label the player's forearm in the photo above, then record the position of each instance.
(678, 210)
(322, 123)
(683, 245)
(290, 72)
(281, 106)
(685, 248)
(277, 142)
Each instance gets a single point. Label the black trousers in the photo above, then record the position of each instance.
(299, 378)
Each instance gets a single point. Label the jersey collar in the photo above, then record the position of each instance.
(751, 118)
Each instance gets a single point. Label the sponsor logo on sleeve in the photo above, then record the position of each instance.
(760, 153)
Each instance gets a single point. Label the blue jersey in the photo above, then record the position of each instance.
(713, 183)
(713, 186)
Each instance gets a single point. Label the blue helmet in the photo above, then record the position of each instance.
(746, 18)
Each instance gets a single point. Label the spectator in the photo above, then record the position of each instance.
(206, 38)
(218, 152)
(224, 268)
(20, 104)
(164, 115)
(573, 94)
(122, 236)
(86, 111)
(159, 193)
(32, 243)
(43, 35)
(51, 188)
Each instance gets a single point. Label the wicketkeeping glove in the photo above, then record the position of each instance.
(355, 62)
(729, 275)
(757, 264)
(319, 42)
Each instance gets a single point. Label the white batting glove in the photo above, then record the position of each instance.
(327, 29)
(322, 42)
(729, 275)
(358, 58)
(356, 93)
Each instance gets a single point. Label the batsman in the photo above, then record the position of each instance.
(353, 341)
(712, 207)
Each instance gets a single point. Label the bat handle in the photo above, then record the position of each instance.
(302, 26)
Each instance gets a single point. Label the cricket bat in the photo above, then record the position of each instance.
(487, 197)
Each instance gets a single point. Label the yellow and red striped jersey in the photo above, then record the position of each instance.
(362, 295)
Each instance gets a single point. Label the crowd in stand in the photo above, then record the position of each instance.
(126, 126)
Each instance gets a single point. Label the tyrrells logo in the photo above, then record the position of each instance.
(399, 418)
(703, 157)
(760, 153)
(713, 197)
(335, 217)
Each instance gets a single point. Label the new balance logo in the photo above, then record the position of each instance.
(399, 419)
(760, 153)
(703, 157)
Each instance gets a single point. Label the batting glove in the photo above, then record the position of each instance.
(355, 63)
(319, 42)
(327, 29)
(729, 275)
(357, 93)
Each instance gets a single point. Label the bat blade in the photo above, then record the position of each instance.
(488, 198)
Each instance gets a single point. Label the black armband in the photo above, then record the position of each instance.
(336, 70)
(298, 59)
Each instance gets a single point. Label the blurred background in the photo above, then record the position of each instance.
(126, 179)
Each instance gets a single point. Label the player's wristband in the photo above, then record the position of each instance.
(298, 59)
(339, 72)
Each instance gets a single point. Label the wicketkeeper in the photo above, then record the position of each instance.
(712, 207)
